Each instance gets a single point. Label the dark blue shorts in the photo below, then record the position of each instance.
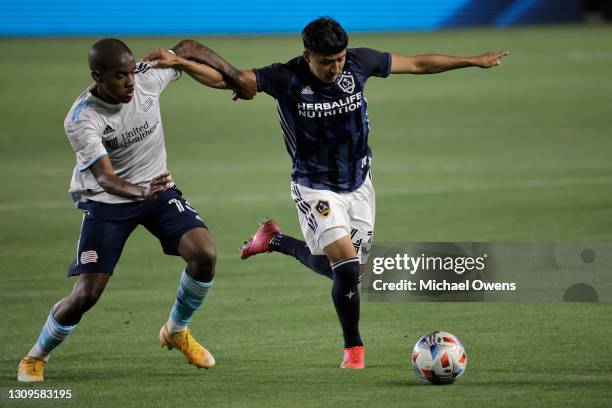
(106, 227)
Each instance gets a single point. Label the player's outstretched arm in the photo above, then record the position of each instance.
(249, 81)
(103, 171)
(434, 63)
(195, 51)
(204, 73)
(200, 72)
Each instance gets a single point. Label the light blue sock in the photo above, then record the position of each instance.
(189, 298)
(51, 335)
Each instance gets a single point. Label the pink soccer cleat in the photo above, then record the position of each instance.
(260, 242)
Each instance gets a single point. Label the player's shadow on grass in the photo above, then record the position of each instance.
(95, 376)
(497, 383)
(531, 383)
(368, 366)
(8, 379)
(399, 383)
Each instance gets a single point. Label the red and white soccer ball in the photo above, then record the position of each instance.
(439, 358)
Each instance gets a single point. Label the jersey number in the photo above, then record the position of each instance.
(181, 206)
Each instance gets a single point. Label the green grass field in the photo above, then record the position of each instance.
(519, 153)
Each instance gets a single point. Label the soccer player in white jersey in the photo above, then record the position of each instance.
(323, 116)
(121, 181)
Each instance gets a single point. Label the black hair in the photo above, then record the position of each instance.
(105, 54)
(324, 36)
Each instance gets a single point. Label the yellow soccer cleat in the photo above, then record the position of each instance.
(31, 369)
(184, 341)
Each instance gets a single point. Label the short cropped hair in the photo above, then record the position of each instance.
(324, 36)
(105, 54)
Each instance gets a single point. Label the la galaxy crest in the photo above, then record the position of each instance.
(346, 82)
(323, 208)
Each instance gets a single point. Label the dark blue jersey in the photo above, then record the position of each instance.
(325, 125)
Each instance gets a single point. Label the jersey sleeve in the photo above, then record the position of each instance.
(271, 79)
(157, 78)
(86, 143)
(373, 62)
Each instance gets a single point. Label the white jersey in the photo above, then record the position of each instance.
(130, 134)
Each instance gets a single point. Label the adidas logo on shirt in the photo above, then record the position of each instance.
(108, 130)
(307, 91)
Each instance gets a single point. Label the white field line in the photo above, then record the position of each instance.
(399, 191)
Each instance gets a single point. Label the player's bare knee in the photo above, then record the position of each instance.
(206, 257)
(85, 299)
(87, 290)
(202, 263)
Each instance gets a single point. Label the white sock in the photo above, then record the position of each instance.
(174, 326)
(37, 352)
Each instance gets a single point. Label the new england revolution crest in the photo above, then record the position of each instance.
(323, 208)
(346, 82)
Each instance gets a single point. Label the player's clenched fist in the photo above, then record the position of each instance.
(157, 185)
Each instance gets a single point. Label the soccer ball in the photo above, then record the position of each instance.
(439, 358)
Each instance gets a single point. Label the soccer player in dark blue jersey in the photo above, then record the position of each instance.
(323, 115)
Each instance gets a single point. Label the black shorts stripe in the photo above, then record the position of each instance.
(304, 208)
